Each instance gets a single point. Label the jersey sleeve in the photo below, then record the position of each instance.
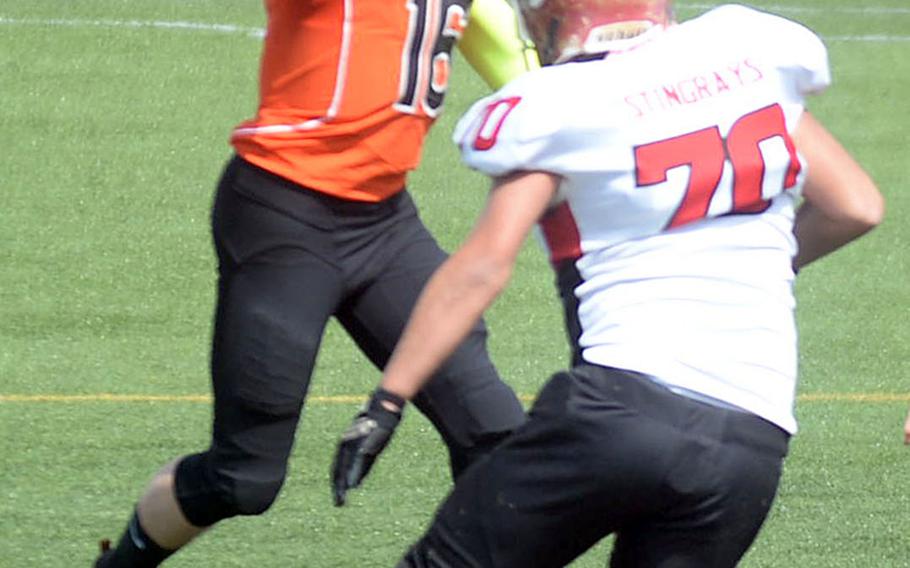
(513, 130)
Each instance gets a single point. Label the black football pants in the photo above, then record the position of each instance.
(289, 259)
(681, 483)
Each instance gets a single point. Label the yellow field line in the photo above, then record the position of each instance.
(354, 399)
(108, 397)
(855, 397)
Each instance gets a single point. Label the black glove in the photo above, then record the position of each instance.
(363, 441)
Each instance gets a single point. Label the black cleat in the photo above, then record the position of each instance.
(106, 553)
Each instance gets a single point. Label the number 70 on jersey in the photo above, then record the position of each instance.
(705, 153)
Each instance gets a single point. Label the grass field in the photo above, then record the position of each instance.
(113, 129)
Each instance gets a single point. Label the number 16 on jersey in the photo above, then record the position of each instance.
(433, 28)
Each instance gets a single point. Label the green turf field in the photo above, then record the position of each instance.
(113, 129)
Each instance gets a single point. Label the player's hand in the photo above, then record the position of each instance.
(907, 430)
(363, 441)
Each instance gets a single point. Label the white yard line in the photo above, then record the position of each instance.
(256, 32)
(135, 24)
(869, 38)
(789, 9)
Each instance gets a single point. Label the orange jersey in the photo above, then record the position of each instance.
(348, 91)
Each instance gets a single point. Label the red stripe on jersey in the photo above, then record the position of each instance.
(561, 233)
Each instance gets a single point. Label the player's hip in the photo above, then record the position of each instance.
(258, 215)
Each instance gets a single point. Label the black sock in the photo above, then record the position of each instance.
(135, 549)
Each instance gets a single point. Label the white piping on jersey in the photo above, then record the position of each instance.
(347, 33)
(341, 74)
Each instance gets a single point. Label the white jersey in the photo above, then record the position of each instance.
(672, 227)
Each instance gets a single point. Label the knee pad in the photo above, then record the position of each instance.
(208, 493)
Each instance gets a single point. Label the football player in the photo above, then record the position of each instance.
(312, 220)
(678, 183)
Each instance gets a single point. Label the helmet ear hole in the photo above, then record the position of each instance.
(551, 43)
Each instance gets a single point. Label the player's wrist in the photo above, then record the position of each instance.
(386, 407)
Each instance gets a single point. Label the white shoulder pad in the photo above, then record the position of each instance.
(789, 45)
(511, 130)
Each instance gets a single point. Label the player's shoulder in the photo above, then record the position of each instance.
(738, 15)
(778, 41)
(542, 86)
(536, 94)
(744, 22)
(518, 127)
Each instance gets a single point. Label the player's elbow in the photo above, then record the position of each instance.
(484, 264)
(866, 211)
(492, 274)
(488, 272)
(855, 210)
(873, 211)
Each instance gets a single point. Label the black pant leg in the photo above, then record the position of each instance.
(275, 296)
(683, 484)
(532, 502)
(468, 403)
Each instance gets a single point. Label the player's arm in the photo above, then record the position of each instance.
(449, 306)
(492, 45)
(463, 287)
(841, 202)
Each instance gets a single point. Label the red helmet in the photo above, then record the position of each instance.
(563, 29)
